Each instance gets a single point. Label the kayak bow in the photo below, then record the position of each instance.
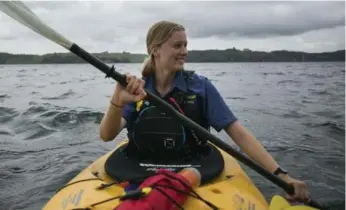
(94, 189)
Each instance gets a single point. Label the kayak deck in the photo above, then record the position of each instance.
(231, 190)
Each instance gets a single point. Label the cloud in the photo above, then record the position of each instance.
(122, 25)
(266, 20)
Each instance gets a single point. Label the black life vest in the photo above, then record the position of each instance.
(157, 134)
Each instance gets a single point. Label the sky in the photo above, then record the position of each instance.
(117, 26)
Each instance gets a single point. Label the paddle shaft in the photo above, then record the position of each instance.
(163, 105)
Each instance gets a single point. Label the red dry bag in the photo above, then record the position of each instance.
(166, 187)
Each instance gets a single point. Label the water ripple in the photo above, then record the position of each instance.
(7, 114)
(66, 95)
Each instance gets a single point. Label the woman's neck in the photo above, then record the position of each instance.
(163, 81)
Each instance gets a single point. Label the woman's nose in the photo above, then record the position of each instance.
(184, 51)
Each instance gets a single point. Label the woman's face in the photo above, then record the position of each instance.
(172, 53)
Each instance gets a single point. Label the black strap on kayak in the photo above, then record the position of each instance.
(83, 180)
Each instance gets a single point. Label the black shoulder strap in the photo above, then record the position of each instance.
(179, 96)
(187, 74)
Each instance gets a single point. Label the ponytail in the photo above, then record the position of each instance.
(148, 67)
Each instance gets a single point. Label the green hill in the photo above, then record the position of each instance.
(227, 55)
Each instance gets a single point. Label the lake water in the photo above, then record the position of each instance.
(50, 116)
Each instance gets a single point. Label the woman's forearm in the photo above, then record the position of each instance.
(251, 146)
(111, 123)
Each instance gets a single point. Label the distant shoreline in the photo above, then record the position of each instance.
(194, 56)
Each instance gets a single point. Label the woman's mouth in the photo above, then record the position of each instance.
(180, 60)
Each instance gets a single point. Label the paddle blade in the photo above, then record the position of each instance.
(20, 12)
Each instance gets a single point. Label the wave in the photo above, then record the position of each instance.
(72, 118)
(5, 132)
(272, 73)
(34, 93)
(39, 132)
(319, 84)
(7, 114)
(62, 96)
(294, 114)
(288, 82)
(41, 120)
(314, 75)
(7, 153)
(4, 96)
(308, 101)
(319, 92)
(329, 114)
(333, 131)
(236, 98)
(332, 126)
(220, 74)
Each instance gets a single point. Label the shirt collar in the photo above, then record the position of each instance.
(178, 82)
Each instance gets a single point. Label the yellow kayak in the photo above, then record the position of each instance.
(232, 189)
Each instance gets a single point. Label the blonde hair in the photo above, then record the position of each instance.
(158, 34)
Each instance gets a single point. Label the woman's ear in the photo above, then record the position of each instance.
(156, 51)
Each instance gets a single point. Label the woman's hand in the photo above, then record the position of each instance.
(133, 92)
(301, 193)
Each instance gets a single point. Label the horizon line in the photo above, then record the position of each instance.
(211, 49)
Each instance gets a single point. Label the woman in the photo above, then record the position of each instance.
(162, 74)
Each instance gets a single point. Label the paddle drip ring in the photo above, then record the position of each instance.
(110, 72)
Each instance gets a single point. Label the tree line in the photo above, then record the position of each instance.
(227, 55)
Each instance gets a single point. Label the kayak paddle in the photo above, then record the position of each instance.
(20, 12)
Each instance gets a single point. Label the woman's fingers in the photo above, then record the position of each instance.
(130, 86)
(135, 88)
(140, 87)
(300, 191)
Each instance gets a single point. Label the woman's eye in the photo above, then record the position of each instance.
(177, 46)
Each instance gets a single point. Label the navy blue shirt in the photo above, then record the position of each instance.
(217, 114)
